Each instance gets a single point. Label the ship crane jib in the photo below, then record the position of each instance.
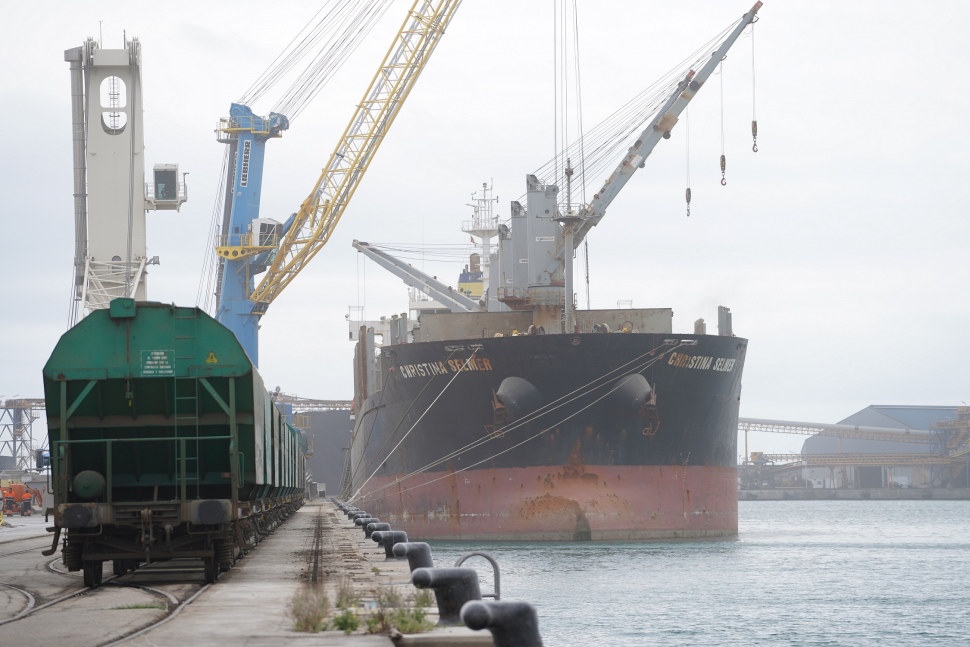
(659, 128)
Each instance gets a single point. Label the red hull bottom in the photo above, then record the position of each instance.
(566, 503)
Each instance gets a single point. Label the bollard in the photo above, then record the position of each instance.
(513, 624)
(371, 527)
(387, 539)
(452, 588)
(417, 552)
(361, 522)
(359, 513)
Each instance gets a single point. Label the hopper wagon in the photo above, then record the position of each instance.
(164, 443)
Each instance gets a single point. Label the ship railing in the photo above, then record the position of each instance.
(496, 576)
(584, 324)
(486, 223)
(249, 240)
(531, 297)
(547, 298)
(516, 294)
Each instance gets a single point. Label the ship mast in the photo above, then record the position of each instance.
(569, 220)
(484, 225)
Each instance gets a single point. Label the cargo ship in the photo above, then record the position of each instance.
(507, 414)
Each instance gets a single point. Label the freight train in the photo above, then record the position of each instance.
(164, 443)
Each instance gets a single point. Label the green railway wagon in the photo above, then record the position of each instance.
(164, 442)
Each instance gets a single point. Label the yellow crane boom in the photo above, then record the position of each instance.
(318, 215)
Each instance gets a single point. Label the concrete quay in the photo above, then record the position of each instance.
(251, 604)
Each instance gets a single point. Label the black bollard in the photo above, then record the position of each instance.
(371, 527)
(387, 540)
(513, 624)
(452, 588)
(417, 552)
(361, 522)
(359, 513)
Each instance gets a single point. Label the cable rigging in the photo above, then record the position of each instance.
(564, 400)
(333, 37)
(754, 118)
(604, 140)
(723, 158)
(328, 39)
(687, 144)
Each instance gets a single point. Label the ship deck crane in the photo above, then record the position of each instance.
(577, 225)
(545, 243)
(444, 294)
(285, 250)
(659, 128)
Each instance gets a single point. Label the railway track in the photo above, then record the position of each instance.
(171, 604)
(42, 542)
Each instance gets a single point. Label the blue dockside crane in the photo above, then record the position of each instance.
(247, 241)
(250, 245)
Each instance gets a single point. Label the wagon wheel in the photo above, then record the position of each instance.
(93, 573)
(211, 569)
(225, 555)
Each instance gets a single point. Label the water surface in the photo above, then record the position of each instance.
(800, 573)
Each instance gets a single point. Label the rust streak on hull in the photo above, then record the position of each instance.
(614, 503)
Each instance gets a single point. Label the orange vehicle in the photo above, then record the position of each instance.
(20, 498)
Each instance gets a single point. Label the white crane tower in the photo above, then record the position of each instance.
(110, 192)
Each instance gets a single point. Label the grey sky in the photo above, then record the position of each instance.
(841, 247)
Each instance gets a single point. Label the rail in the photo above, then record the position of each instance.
(249, 240)
(491, 560)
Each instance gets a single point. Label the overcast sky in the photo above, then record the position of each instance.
(841, 247)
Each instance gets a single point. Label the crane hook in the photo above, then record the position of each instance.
(723, 166)
(754, 135)
(688, 202)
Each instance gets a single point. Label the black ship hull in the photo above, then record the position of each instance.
(573, 436)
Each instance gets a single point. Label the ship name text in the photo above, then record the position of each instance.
(701, 362)
(431, 369)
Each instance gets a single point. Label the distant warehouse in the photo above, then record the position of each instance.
(932, 452)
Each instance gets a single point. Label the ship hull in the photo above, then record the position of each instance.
(622, 436)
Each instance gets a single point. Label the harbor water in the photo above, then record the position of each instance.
(799, 573)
